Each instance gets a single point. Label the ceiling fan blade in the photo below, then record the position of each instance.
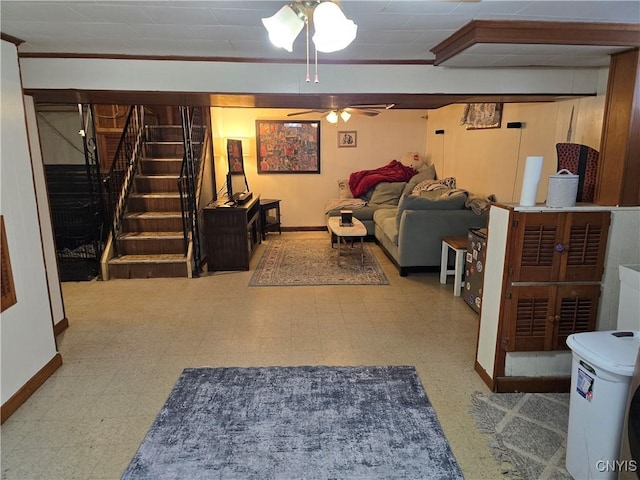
(360, 111)
(385, 106)
(305, 112)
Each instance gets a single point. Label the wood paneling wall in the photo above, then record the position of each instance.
(619, 170)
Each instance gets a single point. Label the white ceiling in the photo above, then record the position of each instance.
(387, 30)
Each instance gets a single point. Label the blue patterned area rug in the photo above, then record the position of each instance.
(527, 432)
(296, 422)
(312, 261)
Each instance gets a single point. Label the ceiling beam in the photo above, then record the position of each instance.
(288, 101)
(537, 33)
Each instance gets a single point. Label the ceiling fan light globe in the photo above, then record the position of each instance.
(345, 116)
(333, 31)
(332, 117)
(283, 27)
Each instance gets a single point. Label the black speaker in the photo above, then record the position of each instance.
(346, 218)
(514, 125)
(439, 132)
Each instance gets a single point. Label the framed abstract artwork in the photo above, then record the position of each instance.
(285, 146)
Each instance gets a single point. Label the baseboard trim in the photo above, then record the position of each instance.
(10, 406)
(484, 375)
(533, 384)
(61, 326)
(304, 229)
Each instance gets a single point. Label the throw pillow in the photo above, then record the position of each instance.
(431, 185)
(387, 193)
(429, 173)
(343, 189)
(414, 202)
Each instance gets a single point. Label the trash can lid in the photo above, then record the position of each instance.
(611, 350)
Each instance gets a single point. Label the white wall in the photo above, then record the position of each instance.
(623, 248)
(26, 328)
(44, 214)
(225, 77)
(380, 139)
(61, 143)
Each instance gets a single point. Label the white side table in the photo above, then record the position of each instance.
(459, 245)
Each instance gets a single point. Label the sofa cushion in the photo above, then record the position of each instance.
(415, 202)
(343, 189)
(364, 213)
(385, 219)
(428, 173)
(387, 193)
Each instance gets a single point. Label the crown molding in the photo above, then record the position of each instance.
(175, 58)
(11, 39)
(530, 32)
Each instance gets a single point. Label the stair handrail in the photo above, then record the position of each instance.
(119, 180)
(193, 132)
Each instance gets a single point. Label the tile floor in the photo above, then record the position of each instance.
(128, 341)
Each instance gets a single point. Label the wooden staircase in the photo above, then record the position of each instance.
(151, 243)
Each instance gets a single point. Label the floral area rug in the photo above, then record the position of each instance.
(313, 262)
(527, 432)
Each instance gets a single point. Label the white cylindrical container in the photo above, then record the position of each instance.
(602, 366)
(532, 171)
(563, 189)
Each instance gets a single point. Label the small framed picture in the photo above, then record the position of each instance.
(347, 139)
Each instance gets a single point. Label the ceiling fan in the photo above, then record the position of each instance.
(333, 114)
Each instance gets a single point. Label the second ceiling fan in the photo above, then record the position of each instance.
(333, 114)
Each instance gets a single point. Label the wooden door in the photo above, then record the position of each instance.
(535, 238)
(541, 317)
(529, 318)
(584, 244)
(576, 312)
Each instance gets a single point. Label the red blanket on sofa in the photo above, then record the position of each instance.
(364, 180)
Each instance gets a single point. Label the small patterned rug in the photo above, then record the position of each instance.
(358, 423)
(527, 432)
(293, 262)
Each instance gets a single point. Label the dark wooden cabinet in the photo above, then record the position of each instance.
(542, 283)
(553, 282)
(558, 247)
(541, 317)
(232, 233)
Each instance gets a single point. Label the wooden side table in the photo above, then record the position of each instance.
(232, 233)
(270, 216)
(459, 245)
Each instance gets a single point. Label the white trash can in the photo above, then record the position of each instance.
(602, 366)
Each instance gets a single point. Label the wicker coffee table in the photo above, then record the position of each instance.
(343, 232)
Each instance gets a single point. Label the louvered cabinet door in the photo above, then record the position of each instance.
(576, 312)
(534, 238)
(529, 318)
(584, 244)
(541, 317)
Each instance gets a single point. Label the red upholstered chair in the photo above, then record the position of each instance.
(580, 160)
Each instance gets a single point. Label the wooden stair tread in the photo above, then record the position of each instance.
(151, 235)
(157, 175)
(156, 195)
(162, 159)
(153, 214)
(159, 258)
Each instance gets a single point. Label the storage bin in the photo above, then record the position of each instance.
(602, 366)
(563, 189)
